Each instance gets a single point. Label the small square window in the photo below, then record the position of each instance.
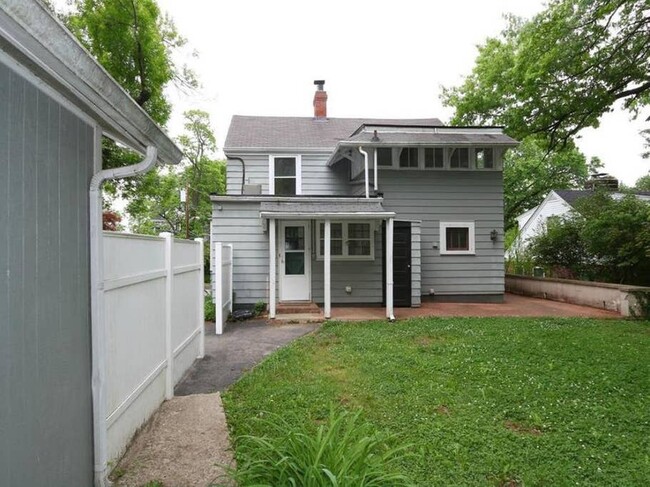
(408, 157)
(434, 157)
(457, 238)
(384, 156)
(484, 158)
(459, 158)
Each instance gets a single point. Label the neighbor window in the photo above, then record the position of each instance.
(384, 156)
(408, 157)
(484, 158)
(284, 172)
(434, 157)
(459, 158)
(349, 240)
(456, 238)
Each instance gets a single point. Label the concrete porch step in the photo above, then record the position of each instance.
(297, 307)
(297, 318)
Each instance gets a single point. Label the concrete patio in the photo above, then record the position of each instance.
(513, 305)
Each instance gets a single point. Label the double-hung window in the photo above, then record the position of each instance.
(349, 241)
(434, 157)
(408, 157)
(284, 175)
(457, 238)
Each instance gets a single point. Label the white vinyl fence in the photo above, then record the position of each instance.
(153, 314)
(223, 261)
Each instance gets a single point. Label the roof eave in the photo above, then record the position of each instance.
(32, 35)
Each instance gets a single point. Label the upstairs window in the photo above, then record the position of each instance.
(349, 241)
(459, 158)
(434, 158)
(384, 156)
(408, 157)
(284, 175)
(484, 158)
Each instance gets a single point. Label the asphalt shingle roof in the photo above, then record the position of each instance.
(392, 138)
(248, 132)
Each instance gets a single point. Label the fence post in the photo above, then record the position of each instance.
(201, 309)
(218, 288)
(231, 272)
(169, 276)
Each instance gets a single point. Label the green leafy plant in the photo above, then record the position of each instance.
(208, 307)
(343, 451)
(260, 307)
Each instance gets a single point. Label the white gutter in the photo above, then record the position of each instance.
(365, 159)
(376, 184)
(98, 330)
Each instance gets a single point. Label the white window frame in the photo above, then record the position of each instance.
(344, 233)
(475, 161)
(398, 153)
(470, 152)
(444, 158)
(298, 159)
(471, 237)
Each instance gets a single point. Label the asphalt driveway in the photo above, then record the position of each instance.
(228, 356)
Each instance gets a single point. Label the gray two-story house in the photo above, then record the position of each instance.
(362, 211)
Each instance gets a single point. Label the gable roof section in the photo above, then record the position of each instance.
(573, 195)
(250, 132)
(36, 39)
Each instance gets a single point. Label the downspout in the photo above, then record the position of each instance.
(98, 331)
(365, 159)
(375, 161)
(243, 171)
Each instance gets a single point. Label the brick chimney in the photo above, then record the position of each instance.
(320, 101)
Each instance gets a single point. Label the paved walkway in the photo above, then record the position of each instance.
(514, 305)
(227, 357)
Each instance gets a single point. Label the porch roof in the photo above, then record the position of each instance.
(353, 209)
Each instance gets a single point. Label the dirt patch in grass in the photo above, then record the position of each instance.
(443, 410)
(426, 341)
(523, 429)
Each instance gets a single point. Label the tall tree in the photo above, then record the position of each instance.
(157, 206)
(559, 72)
(548, 78)
(136, 45)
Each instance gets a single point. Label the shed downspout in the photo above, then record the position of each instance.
(375, 161)
(365, 159)
(243, 171)
(98, 330)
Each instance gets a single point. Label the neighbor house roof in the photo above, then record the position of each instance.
(249, 132)
(573, 195)
(31, 34)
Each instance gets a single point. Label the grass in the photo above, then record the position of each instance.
(480, 401)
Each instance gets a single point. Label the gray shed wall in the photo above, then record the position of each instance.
(46, 156)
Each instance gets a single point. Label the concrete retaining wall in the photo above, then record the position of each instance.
(613, 297)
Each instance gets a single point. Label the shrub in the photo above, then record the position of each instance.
(260, 307)
(208, 308)
(344, 451)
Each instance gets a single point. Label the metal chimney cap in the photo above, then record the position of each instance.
(320, 83)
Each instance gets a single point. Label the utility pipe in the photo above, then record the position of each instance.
(365, 159)
(375, 157)
(98, 330)
(243, 170)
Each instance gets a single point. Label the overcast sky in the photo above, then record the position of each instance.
(379, 59)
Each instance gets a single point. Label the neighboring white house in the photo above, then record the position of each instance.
(558, 202)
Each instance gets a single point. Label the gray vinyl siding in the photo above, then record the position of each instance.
(435, 196)
(364, 277)
(239, 224)
(46, 156)
(317, 177)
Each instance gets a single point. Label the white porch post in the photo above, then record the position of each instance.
(328, 275)
(272, 268)
(389, 269)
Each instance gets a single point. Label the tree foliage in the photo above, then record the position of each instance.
(136, 44)
(606, 239)
(559, 72)
(643, 183)
(157, 206)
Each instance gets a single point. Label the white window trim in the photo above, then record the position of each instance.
(443, 238)
(475, 161)
(345, 239)
(444, 159)
(470, 158)
(298, 159)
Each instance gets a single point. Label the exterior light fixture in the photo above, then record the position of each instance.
(493, 235)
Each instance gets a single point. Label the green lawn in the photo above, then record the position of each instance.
(483, 401)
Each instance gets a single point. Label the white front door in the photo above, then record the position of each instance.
(295, 261)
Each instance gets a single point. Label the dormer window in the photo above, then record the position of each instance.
(434, 157)
(484, 158)
(408, 157)
(459, 158)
